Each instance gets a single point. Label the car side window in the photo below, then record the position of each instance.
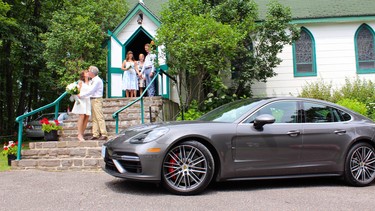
(318, 113)
(283, 111)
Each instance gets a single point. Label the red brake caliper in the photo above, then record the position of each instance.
(171, 169)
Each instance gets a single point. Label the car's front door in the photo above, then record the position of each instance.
(273, 150)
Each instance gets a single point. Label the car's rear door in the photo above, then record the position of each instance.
(326, 134)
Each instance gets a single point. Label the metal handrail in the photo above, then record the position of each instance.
(140, 98)
(20, 119)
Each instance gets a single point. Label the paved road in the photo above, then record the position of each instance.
(39, 190)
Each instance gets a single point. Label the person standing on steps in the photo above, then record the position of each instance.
(141, 79)
(148, 70)
(95, 93)
(130, 75)
(83, 106)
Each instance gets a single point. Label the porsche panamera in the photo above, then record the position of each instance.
(250, 139)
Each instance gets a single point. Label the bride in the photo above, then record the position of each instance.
(83, 106)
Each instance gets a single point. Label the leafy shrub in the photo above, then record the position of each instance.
(317, 90)
(192, 113)
(354, 105)
(361, 90)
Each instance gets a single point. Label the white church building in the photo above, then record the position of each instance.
(337, 43)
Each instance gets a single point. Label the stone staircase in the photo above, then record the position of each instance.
(127, 118)
(70, 154)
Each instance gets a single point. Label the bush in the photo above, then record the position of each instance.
(192, 113)
(361, 90)
(354, 105)
(317, 90)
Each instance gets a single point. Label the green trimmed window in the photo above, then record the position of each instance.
(304, 55)
(364, 47)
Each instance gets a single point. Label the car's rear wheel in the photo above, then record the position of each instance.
(360, 165)
(187, 168)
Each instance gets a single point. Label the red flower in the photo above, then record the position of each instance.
(13, 145)
(5, 148)
(56, 121)
(44, 121)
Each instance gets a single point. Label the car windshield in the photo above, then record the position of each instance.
(230, 112)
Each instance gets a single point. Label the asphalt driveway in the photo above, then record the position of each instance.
(40, 190)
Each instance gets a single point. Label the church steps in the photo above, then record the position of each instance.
(70, 154)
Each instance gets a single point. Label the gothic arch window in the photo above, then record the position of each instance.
(364, 49)
(304, 58)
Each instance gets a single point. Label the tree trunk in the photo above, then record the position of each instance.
(8, 70)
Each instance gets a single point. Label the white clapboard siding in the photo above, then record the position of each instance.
(335, 60)
(116, 54)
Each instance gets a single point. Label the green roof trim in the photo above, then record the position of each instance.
(335, 20)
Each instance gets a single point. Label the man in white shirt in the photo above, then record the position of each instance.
(95, 93)
(148, 70)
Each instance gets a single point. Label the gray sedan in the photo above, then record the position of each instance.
(248, 140)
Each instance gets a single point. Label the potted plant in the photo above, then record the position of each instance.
(10, 150)
(50, 129)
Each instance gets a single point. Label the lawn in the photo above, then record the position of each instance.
(4, 163)
(4, 159)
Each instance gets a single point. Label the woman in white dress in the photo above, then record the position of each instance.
(130, 76)
(82, 107)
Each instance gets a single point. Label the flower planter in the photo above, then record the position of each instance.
(10, 158)
(51, 136)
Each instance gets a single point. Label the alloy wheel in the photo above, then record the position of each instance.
(362, 164)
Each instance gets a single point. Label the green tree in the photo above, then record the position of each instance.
(262, 42)
(76, 35)
(229, 41)
(199, 47)
(25, 48)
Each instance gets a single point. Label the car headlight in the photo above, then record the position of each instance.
(149, 136)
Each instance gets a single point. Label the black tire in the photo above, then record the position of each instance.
(360, 165)
(187, 168)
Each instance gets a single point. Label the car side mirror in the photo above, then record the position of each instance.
(263, 119)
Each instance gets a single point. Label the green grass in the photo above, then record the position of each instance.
(4, 159)
(4, 163)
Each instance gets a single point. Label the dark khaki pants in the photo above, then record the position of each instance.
(98, 122)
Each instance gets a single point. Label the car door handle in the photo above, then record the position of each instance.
(340, 132)
(293, 133)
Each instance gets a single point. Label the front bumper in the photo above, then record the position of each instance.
(133, 162)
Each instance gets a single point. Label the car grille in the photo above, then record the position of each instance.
(128, 161)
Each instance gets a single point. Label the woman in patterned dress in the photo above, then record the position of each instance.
(130, 76)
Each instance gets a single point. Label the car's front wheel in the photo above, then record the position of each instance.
(360, 165)
(187, 168)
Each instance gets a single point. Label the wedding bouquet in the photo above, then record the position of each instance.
(73, 90)
(129, 65)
